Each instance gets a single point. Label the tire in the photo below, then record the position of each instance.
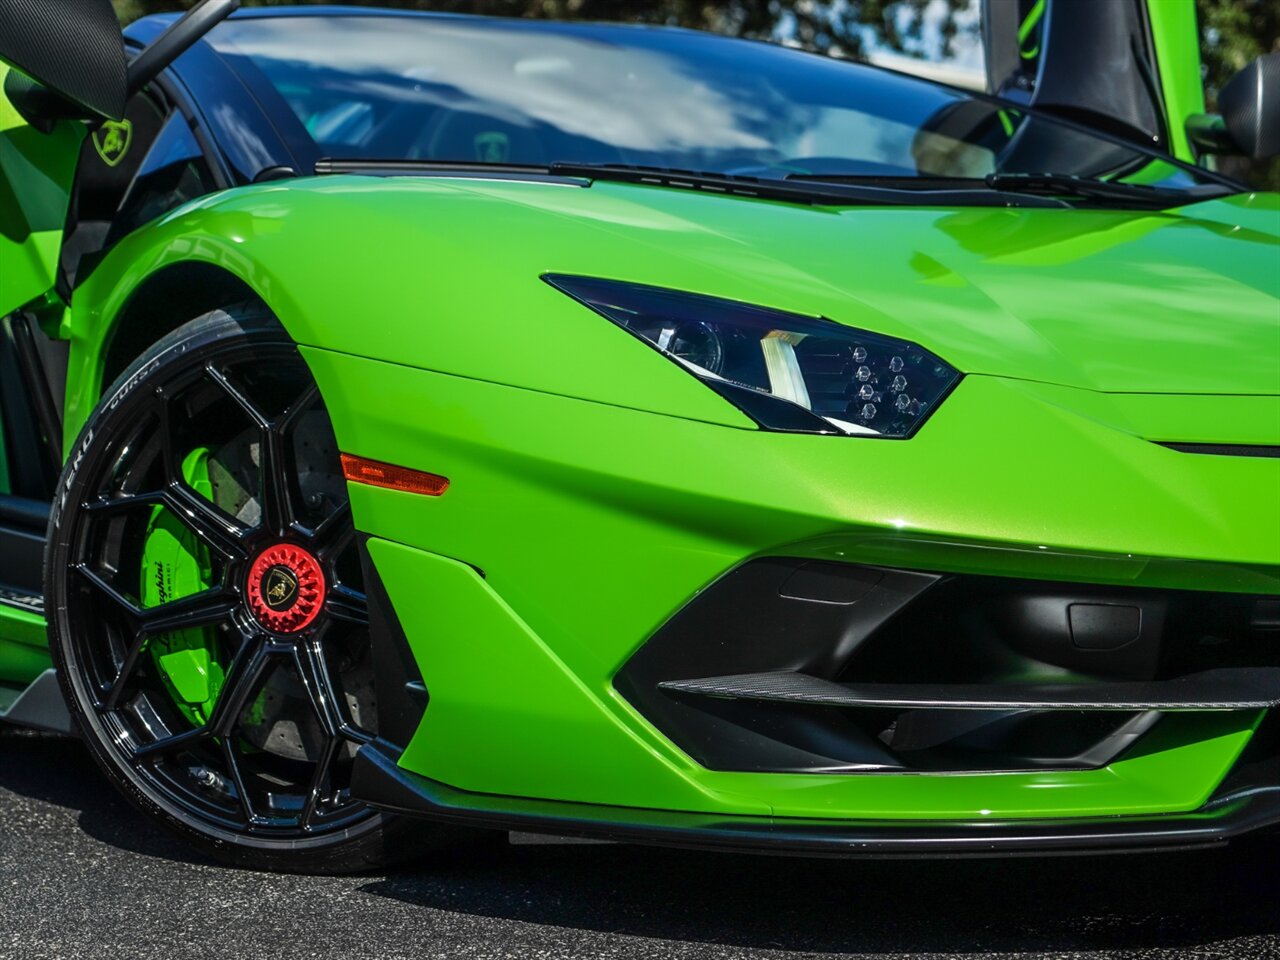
(211, 638)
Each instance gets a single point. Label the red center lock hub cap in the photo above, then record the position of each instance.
(286, 588)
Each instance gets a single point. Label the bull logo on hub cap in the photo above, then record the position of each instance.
(279, 588)
(286, 588)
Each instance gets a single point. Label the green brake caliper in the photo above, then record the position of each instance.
(175, 564)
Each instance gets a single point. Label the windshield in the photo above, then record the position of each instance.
(470, 90)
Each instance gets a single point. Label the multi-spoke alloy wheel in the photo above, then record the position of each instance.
(209, 620)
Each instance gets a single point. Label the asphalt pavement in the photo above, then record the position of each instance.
(84, 875)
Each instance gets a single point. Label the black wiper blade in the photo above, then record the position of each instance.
(1107, 191)
(722, 183)
(815, 193)
(330, 166)
(893, 181)
(1049, 185)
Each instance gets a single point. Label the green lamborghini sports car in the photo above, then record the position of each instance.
(417, 424)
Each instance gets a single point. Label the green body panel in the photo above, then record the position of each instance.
(504, 706)
(595, 523)
(1176, 38)
(20, 664)
(554, 476)
(1186, 419)
(24, 651)
(36, 171)
(1106, 300)
(599, 487)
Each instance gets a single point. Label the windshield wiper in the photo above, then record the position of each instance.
(569, 172)
(330, 166)
(1015, 189)
(892, 181)
(724, 183)
(1049, 185)
(1107, 191)
(578, 172)
(816, 193)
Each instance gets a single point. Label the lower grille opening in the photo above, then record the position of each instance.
(803, 666)
(1027, 739)
(993, 630)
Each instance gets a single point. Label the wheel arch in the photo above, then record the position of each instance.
(161, 303)
(114, 320)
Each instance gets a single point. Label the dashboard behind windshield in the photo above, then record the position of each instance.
(466, 90)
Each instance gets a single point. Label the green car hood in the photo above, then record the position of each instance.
(1186, 301)
(1177, 302)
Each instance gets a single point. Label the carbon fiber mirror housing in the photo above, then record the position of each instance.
(74, 50)
(1250, 105)
(71, 56)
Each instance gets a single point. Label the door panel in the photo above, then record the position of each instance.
(109, 163)
(1131, 66)
(36, 171)
(1176, 39)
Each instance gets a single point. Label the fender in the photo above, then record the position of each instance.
(302, 271)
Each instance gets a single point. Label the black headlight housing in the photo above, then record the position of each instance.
(788, 372)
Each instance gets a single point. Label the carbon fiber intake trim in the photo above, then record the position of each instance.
(1226, 449)
(790, 665)
(1247, 688)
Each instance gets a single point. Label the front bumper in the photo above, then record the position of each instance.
(573, 531)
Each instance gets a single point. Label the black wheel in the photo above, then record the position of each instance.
(207, 614)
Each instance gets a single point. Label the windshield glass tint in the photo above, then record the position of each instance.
(494, 91)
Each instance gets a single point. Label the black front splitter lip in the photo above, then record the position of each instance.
(378, 780)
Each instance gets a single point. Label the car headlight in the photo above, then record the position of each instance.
(787, 372)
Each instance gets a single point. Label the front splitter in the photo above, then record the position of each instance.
(378, 780)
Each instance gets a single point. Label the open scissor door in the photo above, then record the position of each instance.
(1130, 66)
(64, 56)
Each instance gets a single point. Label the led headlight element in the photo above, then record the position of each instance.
(786, 371)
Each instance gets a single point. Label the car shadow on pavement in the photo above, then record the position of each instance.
(57, 770)
(1059, 904)
(1176, 901)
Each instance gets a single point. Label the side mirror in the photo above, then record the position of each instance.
(1248, 123)
(72, 61)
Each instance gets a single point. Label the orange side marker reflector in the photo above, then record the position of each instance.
(377, 474)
